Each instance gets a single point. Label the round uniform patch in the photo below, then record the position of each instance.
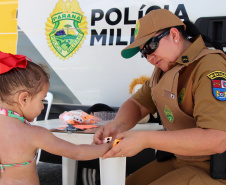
(168, 114)
(137, 28)
(218, 80)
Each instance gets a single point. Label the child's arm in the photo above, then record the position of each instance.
(88, 152)
(47, 141)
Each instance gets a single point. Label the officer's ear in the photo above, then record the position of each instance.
(175, 35)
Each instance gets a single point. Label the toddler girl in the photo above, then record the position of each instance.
(23, 87)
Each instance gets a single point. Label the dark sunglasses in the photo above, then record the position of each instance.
(152, 44)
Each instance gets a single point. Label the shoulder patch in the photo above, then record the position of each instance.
(218, 79)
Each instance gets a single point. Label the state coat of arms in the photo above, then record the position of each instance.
(66, 28)
(218, 79)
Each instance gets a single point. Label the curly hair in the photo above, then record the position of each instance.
(30, 79)
(140, 80)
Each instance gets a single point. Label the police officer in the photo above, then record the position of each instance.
(188, 90)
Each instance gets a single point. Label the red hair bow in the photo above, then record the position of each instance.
(9, 61)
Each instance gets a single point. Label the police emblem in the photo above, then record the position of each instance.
(168, 114)
(137, 28)
(181, 96)
(66, 28)
(218, 79)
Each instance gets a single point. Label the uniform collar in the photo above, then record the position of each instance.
(188, 56)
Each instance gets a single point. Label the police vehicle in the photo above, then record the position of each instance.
(81, 42)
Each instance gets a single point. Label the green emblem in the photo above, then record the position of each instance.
(66, 28)
(137, 28)
(168, 114)
(181, 96)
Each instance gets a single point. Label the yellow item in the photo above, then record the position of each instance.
(116, 141)
(8, 29)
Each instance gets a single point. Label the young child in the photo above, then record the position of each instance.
(23, 87)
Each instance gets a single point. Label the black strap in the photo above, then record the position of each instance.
(218, 166)
(163, 156)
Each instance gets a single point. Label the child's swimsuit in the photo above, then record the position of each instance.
(15, 115)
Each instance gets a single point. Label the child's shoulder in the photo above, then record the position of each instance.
(9, 122)
(16, 126)
(38, 132)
